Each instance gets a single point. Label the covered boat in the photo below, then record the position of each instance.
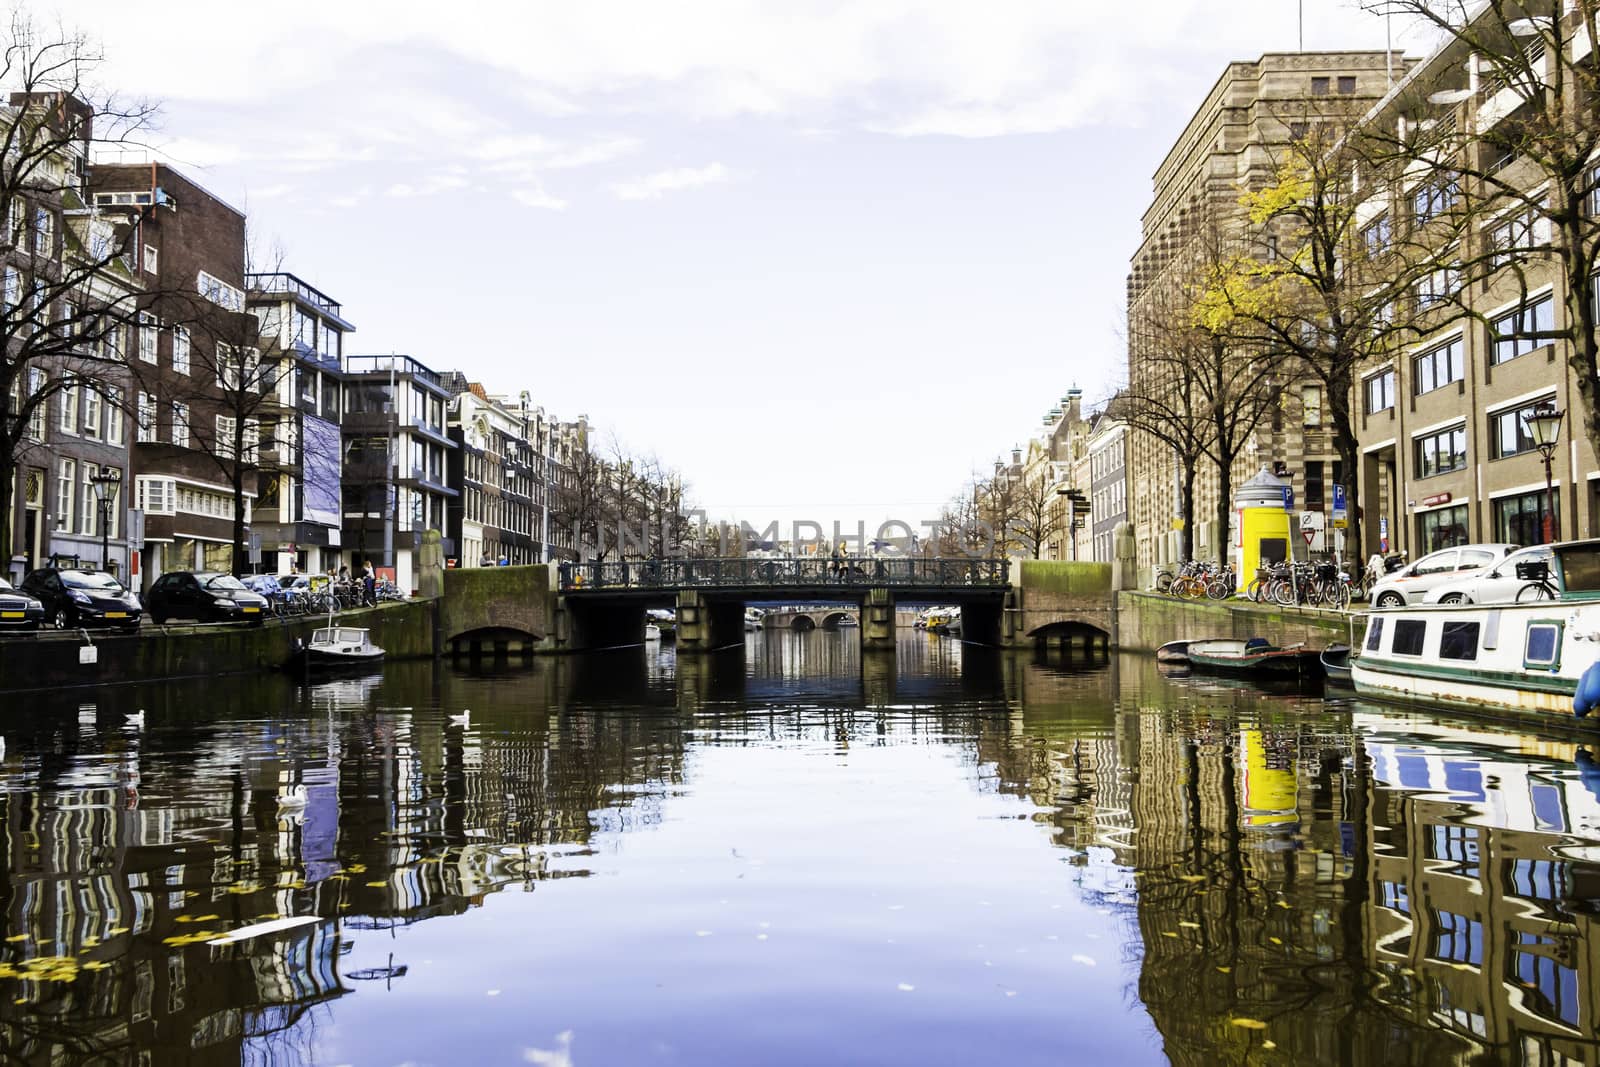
(1177, 652)
(1253, 658)
(1336, 665)
(341, 647)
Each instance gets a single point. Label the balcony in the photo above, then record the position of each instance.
(400, 366)
(282, 283)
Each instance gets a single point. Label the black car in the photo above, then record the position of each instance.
(74, 598)
(18, 610)
(205, 596)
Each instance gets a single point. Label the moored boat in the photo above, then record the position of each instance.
(1253, 658)
(341, 648)
(1177, 652)
(1525, 656)
(1336, 665)
(652, 632)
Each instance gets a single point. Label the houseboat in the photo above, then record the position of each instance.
(1520, 655)
(341, 648)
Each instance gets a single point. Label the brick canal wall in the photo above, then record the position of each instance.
(49, 660)
(1146, 621)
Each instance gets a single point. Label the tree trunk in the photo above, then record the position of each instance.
(240, 556)
(1186, 505)
(8, 483)
(1225, 511)
(1349, 449)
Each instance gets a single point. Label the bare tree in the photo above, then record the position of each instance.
(1039, 513)
(69, 289)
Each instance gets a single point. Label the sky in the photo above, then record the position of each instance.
(825, 258)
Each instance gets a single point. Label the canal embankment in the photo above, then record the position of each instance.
(1146, 621)
(75, 658)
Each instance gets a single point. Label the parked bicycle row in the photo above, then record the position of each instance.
(70, 598)
(1460, 574)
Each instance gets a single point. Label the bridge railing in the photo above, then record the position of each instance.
(749, 572)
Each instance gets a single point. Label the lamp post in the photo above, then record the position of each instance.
(106, 484)
(1544, 426)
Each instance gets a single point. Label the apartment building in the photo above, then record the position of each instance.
(1235, 141)
(1107, 448)
(190, 249)
(1447, 456)
(297, 513)
(396, 443)
(72, 450)
(496, 468)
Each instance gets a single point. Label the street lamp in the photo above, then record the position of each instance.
(106, 484)
(1544, 426)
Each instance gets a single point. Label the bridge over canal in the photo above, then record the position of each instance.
(578, 606)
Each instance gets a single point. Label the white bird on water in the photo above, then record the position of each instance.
(293, 797)
(464, 720)
(136, 719)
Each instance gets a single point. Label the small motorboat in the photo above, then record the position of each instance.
(1336, 665)
(652, 632)
(341, 647)
(1254, 658)
(849, 620)
(1177, 652)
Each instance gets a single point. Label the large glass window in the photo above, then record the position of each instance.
(1511, 332)
(1433, 199)
(1380, 392)
(1442, 528)
(1439, 453)
(66, 493)
(1438, 367)
(1519, 520)
(1508, 430)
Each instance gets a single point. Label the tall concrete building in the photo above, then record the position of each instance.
(1235, 141)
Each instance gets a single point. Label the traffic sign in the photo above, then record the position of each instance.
(1309, 533)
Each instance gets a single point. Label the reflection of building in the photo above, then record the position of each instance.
(302, 335)
(394, 481)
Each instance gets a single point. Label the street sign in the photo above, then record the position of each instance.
(255, 550)
(1309, 533)
(1338, 500)
(1308, 520)
(1288, 498)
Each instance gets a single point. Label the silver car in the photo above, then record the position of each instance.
(1411, 583)
(1490, 585)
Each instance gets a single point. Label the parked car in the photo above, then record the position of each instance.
(75, 598)
(18, 610)
(205, 596)
(1411, 583)
(1499, 584)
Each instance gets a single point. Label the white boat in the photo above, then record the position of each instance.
(752, 619)
(652, 632)
(342, 647)
(1526, 656)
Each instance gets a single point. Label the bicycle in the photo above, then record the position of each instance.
(1536, 573)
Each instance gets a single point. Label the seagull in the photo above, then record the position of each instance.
(464, 720)
(136, 719)
(292, 797)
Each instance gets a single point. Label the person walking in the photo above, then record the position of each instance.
(369, 584)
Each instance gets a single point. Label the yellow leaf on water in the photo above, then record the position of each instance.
(1190, 925)
(1276, 940)
(1269, 1044)
(1168, 933)
(376, 885)
(16, 939)
(116, 931)
(1248, 1024)
(207, 918)
(1283, 904)
(1225, 970)
(1193, 877)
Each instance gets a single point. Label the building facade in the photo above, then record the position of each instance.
(297, 514)
(395, 486)
(495, 520)
(1108, 484)
(1234, 142)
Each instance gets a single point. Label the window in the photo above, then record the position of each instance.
(1408, 634)
(1377, 236)
(226, 426)
(1442, 528)
(1458, 640)
(91, 508)
(1314, 484)
(1319, 86)
(1520, 234)
(1437, 288)
(1347, 85)
(150, 259)
(1543, 648)
(1511, 333)
(220, 292)
(147, 338)
(1508, 431)
(1519, 520)
(1433, 199)
(69, 409)
(180, 350)
(1375, 633)
(91, 411)
(44, 232)
(114, 428)
(66, 492)
(180, 425)
(156, 495)
(146, 415)
(252, 440)
(1311, 404)
(13, 293)
(1438, 367)
(1439, 453)
(1456, 938)
(40, 416)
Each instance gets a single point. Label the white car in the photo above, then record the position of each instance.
(1411, 583)
(1492, 585)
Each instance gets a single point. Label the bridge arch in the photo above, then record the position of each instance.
(834, 619)
(802, 623)
(493, 641)
(1066, 633)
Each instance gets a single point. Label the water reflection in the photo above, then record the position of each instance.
(798, 855)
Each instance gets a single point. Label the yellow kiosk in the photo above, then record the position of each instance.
(1264, 530)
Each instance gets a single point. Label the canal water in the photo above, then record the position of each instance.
(795, 857)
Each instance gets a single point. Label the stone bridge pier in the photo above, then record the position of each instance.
(1065, 604)
(707, 622)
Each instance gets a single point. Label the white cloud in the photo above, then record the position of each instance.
(653, 186)
(535, 196)
(429, 185)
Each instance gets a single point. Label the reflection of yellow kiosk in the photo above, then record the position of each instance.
(1269, 783)
(1263, 506)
